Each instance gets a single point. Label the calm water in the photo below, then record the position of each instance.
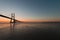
(29, 31)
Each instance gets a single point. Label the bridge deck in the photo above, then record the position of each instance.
(9, 18)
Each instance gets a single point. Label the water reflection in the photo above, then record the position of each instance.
(22, 31)
(12, 27)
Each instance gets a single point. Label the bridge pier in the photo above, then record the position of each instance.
(12, 18)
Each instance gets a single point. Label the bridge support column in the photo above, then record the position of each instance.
(12, 18)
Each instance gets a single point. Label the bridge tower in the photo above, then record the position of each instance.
(12, 18)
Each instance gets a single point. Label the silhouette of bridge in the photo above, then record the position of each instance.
(9, 18)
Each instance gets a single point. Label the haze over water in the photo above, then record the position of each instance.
(29, 31)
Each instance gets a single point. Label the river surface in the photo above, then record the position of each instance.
(29, 31)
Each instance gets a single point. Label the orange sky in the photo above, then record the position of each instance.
(28, 20)
(40, 20)
(4, 20)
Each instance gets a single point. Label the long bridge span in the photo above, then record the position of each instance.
(10, 18)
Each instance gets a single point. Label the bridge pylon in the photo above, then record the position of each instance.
(12, 18)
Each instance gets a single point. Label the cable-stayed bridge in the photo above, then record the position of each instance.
(12, 18)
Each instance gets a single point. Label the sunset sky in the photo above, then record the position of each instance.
(31, 10)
